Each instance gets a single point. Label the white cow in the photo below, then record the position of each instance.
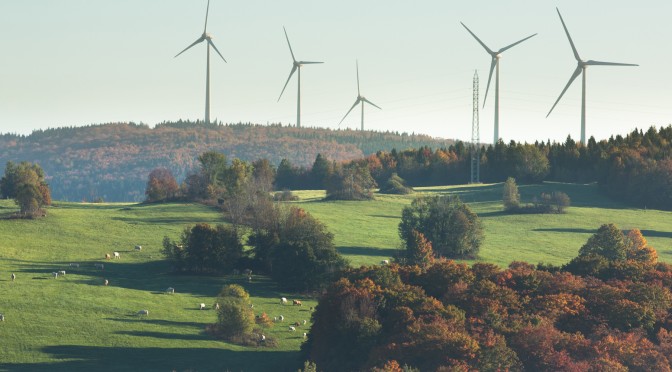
(2, 317)
(216, 305)
(281, 318)
(106, 282)
(143, 312)
(170, 290)
(202, 307)
(385, 262)
(283, 301)
(138, 247)
(54, 274)
(305, 335)
(62, 272)
(116, 255)
(292, 329)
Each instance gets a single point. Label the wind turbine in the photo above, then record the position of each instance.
(581, 68)
(359, 100)
(296, 66)
(205, 37)
(494, 63)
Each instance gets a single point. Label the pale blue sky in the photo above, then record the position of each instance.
(78, 62)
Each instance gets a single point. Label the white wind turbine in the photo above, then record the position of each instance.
(359, 100)
(494, 63)
(296, 66)
(206, 37)
(581, 68)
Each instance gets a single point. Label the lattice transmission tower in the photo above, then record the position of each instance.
(475, 137)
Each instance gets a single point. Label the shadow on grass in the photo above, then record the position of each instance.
(97, 358)
(366, 251)
(192, 220)
(161, 322)
(163, 335)
(646, 233)
(384, 216)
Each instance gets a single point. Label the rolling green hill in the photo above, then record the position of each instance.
(75, 323)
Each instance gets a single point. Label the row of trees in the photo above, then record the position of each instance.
(442, 315)
(25, 183)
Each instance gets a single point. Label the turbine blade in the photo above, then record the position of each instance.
(290, 45)
(206, 17)
(479, 40)
(192, 44)
(308, 63)
(599, 63)
(514, 44)
(353, 106)
(216, 50)
(357, 65)
(576, 73)
(371, 103)
(290, 76)
(492, 68)
(576, 54)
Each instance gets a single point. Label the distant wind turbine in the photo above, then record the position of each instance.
(581, 67)
(359, 100)
(296, 66)
(494, 63)
(205, 37)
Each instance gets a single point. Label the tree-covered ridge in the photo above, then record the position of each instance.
(112, 161)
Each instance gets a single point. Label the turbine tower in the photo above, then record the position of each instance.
(475, 136)
(494, 63)
(206, 37)
(296, 66)
(581, 68)
(359, 100)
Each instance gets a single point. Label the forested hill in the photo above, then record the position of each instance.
(112, 161)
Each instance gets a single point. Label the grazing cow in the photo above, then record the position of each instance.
(283, 300)
(106, 282)
(263, 338)
(74, 265)
(304, 322)
(99, 266)
(107, 256)
(170, 290)
(13, 276)
(138, 247)
(275, 318)
(202, 307)
(296, 302)
(116, 255)
(54, 274)
(62, 272)
(216, 305)
(2, 317)
(251, 306)
(282, 318)
(143, 312)
(385, 262)
(297, 324)
(292, 329)
(305, 335)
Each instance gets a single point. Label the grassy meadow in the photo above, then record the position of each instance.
(76, 323)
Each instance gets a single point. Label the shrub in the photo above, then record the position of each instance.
(396, 185)
(511, 197)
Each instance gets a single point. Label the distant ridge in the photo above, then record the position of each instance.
(112, 161)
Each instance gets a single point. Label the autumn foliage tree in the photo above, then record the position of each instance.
(161, 186)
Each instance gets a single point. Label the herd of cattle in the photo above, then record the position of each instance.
(170, 290)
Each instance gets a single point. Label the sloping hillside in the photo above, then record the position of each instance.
(112, 161)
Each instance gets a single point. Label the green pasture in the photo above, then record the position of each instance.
(75, 323)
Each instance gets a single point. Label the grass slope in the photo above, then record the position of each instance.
(75, 323)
